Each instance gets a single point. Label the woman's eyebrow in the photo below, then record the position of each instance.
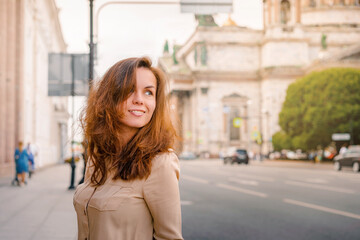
(150, 86)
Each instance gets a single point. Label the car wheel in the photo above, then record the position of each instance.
(356, 167)
(337, 166)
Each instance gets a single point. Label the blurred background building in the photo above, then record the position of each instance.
(29, 30)
(228, 82)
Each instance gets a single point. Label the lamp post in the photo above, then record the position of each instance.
(91, 46)
(72, 163)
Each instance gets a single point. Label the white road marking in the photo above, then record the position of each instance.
(265, 179)
(321, 208)
(242, 190)
(194, 179)
(185, 203)
(259, 178)
(309, 180)
(244, 182)
(316, 180)
(341, 190)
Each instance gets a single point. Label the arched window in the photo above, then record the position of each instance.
(285, 11)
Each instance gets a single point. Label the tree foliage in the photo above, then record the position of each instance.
(281, 141)
(318, 105)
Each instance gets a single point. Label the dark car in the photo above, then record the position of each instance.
(236, 155)
(351, 158)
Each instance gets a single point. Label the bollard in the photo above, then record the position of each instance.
(73, 166)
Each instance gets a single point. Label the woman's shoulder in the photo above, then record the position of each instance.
(165, 159)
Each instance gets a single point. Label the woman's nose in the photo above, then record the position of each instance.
(137, 99)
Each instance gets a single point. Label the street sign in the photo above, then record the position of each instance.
(206, 7)
(341, 137)
(237, 122)
(63, 69)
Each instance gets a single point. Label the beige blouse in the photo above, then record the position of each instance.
(132, 210)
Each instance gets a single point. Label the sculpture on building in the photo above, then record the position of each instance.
(285, 12)
(166, 47)
(323, 41)
(205, 20)
(203, 55)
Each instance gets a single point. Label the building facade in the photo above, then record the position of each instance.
(29, 31)
(228, 83)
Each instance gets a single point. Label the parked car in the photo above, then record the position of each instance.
(274, 155)
(351, 158)
(296, 155)
(187, 156)
(236, 155)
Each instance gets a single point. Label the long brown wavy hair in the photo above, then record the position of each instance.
(100, 121)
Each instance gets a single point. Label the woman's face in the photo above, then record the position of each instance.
(139, 107)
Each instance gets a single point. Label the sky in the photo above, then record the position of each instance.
(138, 30)
(135, 31)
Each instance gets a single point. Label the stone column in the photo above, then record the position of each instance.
(3, 31)
(298, 11)
(265, 15)
(276, 11)
(11, 87)
(19, 72)
(269, 7)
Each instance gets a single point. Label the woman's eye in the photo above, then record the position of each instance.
(149, 93)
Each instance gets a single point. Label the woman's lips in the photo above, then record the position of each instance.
(137, 113)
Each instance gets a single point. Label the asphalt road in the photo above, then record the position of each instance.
(268, 202)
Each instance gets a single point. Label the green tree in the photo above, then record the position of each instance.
(320, 104)
(281, 141)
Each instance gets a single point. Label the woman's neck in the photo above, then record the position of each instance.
(128, 133)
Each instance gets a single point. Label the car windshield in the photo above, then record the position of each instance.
(242, 151)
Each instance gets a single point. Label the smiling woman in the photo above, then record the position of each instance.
(131, 182)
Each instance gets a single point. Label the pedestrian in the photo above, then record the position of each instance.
(83, 154)
(22, 164)
(131, 183)
(31, 160)
(343, 149)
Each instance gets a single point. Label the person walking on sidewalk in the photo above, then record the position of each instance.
(31, 160)
(83, 155)
(22, 164)
(131, 182)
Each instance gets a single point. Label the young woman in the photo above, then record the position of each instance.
(131, 183)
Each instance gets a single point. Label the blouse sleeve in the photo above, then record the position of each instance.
(161, 193)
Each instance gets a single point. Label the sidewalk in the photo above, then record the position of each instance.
(42, 210)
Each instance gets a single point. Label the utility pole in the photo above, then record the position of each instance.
(72, 163)
(91, 46)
